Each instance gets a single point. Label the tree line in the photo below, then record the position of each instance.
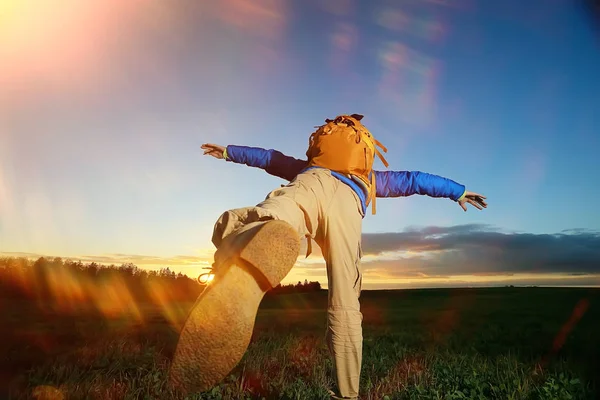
(57, 279)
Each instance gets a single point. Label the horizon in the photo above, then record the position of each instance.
(534, 282)
(100, 153)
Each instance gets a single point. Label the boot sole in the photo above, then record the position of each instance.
(219, 326)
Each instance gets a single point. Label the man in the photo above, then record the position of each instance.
(325, 201)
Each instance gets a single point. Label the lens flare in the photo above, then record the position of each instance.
(112, 292)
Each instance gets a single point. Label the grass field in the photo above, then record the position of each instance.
(497, 343)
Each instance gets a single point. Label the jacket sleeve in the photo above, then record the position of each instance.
(272, 161)
(407, 183)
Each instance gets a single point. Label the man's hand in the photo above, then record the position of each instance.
(213, 150)
(476, 200)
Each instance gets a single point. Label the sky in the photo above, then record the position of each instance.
(104, 105)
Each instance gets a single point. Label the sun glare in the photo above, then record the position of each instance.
(205, 279)
(71, 288)
(45, 41)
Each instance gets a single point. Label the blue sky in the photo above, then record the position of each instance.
(104, 108)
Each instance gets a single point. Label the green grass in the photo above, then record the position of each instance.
(418, 344)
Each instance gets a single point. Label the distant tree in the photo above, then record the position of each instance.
(49, 279)
(44, 279)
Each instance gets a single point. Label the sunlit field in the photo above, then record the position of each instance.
(496, 343)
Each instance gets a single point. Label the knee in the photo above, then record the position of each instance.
(227, 222)
(236, 219)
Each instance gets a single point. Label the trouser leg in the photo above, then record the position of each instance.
(301, 203)
(341, 236)
(318, 205)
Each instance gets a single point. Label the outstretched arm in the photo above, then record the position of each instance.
(408, 183)
(272, 161)
(389, 183)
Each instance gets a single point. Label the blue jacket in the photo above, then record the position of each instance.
(388, 183)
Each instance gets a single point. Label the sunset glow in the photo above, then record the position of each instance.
(105, 103)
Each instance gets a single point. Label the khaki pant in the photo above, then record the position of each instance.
(319, 205)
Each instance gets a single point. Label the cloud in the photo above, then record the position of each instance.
(481, 249)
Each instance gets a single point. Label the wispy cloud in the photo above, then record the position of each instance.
(409, 82)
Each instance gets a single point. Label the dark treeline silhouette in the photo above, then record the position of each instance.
(297, 288)
(75, 283)
(48, 279)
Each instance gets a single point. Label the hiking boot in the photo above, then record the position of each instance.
(219, 326)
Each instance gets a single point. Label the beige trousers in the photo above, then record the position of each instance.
(319, 205)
